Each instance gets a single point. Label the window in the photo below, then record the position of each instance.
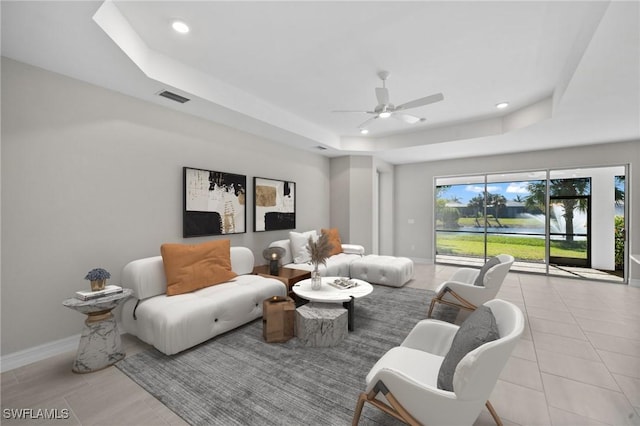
(543, 218)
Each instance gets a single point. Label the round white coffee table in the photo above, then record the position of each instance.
(330, 294)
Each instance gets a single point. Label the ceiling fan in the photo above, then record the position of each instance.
(385, 109)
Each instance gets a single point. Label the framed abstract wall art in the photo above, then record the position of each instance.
(214, 203)
(274, 204)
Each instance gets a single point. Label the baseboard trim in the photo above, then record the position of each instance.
(38, 353)
(634, 282)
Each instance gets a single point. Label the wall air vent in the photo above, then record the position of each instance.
(173, 96)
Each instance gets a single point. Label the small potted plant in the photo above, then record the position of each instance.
(319, 251)
(98, 277)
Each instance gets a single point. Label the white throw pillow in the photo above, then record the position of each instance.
(299, 242)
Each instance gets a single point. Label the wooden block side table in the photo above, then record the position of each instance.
(100, 344)
(278, 315)
(288, 276)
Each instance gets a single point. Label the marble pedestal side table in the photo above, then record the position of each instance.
(100, 344)
(321, 324)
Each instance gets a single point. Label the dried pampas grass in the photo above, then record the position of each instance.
(320, 249)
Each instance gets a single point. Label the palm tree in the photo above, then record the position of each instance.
(536, 200)
(440, 190)
(557, 188)
(619, 190)
(498, 202)
(477, 204)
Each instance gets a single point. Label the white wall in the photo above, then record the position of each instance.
(93, 178)
(352, 186)
(603, 242)
(414, 189)
(386, 207)
(340, 196)
(362, 202)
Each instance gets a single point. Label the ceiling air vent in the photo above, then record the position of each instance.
(321, 148)
(173, 96)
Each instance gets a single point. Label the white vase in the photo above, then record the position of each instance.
(316, 279)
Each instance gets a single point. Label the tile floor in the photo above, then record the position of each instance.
(539, 268)
(578, 363)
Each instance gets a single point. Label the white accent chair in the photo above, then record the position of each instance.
(460, 291)
(403, 383)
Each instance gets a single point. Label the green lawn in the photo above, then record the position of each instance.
(522, 248)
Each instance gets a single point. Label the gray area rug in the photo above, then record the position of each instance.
(238, 379)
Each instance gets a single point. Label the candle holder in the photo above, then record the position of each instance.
(273, 255)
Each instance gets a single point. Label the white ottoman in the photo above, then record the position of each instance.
(386, 270)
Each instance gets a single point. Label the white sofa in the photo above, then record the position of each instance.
(386, 270)
(175, 323)
(337, 265)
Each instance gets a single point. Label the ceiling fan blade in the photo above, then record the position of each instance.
(411, 119)
(364, 125)
(383, 95)
(421, 102)
(349, 110)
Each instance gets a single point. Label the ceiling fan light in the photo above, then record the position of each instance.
(502, 105)
(384, 114)
(180, 27)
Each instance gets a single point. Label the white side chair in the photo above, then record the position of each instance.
(404, 382)
(460, 290)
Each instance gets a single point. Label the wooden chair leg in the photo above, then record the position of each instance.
(464, 303)
(461, 303)
(356, 415)
(402, 414)
(395, 410)
(493, 413)
(432, 305)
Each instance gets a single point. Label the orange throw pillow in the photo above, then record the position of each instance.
(189, 267)
(334, 239)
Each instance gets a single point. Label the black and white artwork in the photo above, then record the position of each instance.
(214, 203)
(274, 204)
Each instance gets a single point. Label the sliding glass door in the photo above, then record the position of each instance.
(543, 218)
(459, 228)
(517, 222)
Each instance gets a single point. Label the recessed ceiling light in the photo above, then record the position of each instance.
(364, 131)
(180, 27)
(385, 114)
(502, 105)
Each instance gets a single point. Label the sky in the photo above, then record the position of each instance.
(509, 190)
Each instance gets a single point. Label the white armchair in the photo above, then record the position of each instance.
(404, 382)
(460, 290)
